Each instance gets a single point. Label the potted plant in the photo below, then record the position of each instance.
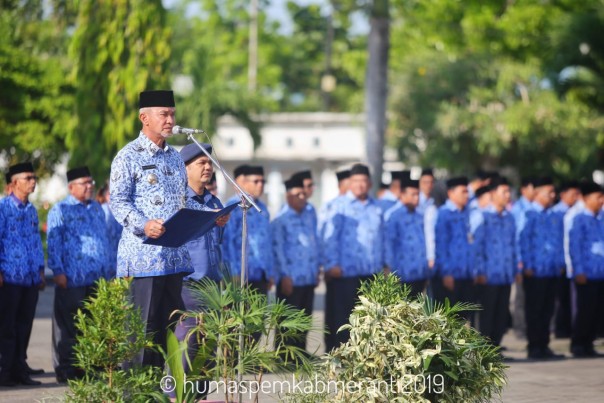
(412, 350)
(228, 323)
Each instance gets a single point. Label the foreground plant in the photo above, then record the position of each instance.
(407, 350)
(111, 332)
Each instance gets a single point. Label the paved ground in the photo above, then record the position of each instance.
(569, 380)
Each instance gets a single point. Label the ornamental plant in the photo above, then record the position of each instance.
(111, 332)
(407, 350)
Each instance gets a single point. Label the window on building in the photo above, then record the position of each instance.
(289, 142)
(316, 142)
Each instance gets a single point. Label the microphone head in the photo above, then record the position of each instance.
(176, 130)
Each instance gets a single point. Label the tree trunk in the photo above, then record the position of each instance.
(376, 91)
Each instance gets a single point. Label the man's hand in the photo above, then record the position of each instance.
(334, 272)
(1, 280)
(287, 286)
(581, 279)
(42, 284)
(387, 271)
(271, 283)
(480, 280)
(519, 278)
(61, 281)
(431, 264)
(221, 221)
(154, 228)
(449, 282)
(528, 273)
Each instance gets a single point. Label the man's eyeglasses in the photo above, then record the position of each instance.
(85, 183)
(30, 178)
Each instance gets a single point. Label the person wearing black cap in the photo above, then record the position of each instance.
(587, 255)
(239, 176)
(519, 210)
(482, 201)
(205, 251)
(78, 255)
(541, 245)
(259, 272)
(21, 274)
(296, 252)
(343, 177)
(352, 250)
(426, 185)
(453, 278)
(309, 186)
(481, 178)
(148, 185)
(495, 262)
(392, 195)
(404, 241)
(569, 195)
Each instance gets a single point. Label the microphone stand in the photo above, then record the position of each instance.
(246, 203)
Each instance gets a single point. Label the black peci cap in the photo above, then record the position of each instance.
(76, 173)
(149, 99)
(458, 181)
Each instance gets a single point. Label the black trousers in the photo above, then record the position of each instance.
(66, 304)
(463, 291)
(540, 296)
(340, 297)
(588, 314)
(16, 319)
(416, 287)
(563, 318)
(302, 298)
(495, 313)
(157, 298)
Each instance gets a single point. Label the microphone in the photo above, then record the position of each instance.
(185, 130)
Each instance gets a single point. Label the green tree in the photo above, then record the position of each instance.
(120, 48)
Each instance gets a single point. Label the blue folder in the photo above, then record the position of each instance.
(186, 225)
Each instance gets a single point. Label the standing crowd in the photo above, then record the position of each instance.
(473, 248)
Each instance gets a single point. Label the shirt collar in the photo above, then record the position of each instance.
(537, 207)
(352, 199)
(72, 200)
(204, 198)
(17, 201)
(491, 209)
(452, 206)
(150, 146)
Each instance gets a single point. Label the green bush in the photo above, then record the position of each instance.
(408, 350)
(111, 332)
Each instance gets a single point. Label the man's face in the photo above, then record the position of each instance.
(410, 197)
(545, 195)
(24, 183)
(82, 188)
(459, 195)
(309, 187)
(570, 196)
(501, 196)
(594, 201)
(528, 192)
(360, 185)
(158, 121)
(200, 170)
(426, 184)
(296, 198)
(254, 185)
(484, 200)
(344, 185)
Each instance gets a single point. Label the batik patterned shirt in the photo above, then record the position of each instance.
(454, 242)
(495, 247)
(296, 246)
(147, 182)
(21, 253)
(78, 246)
(587, 246)
(405, 244)
(354, 237)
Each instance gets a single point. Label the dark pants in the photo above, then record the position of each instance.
(157, 298)
(302, 297)
(495, 313)
(340, 297)
(563, 319)
(463, 291)
(16, 318)
(66, 304)
(588, 314)
(415, 287)
(540, 296)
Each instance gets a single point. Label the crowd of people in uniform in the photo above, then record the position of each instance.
(472, 248)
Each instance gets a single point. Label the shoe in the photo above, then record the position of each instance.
(61, 379)
(27, 381)
(7, 381)
(583, 352)
(32, 371)
(536, 354)
(550, 355)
